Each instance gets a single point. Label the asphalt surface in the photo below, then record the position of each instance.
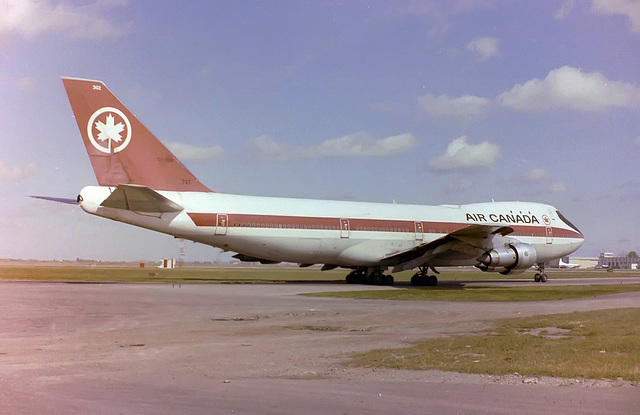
(260, 349)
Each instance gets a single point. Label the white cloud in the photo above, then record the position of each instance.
(564, 10)
(31, 18)
(460, 185)
(557, 187)
(464, 107)
(537, 175)
(628, 8)
(539, 181)
(361, 144)
(484, 47)
(16, 173)
(543, 176)
(568, 87)
(388, 107)
(440, 13)
(462, 156)
(190, 152)
(265, 147)
(27, 84)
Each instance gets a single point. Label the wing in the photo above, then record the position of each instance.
(140, 199)
(470, 237)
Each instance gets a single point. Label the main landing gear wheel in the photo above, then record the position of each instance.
(377, 277)
(424, 280)
(357, 276)
(415, 280)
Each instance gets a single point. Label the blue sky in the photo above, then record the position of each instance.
(425, 102)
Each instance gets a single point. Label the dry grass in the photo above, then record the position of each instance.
(596, 344)
(485, 294)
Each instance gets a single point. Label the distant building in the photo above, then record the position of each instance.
(585, 262)
(168, 263)
(608, 260)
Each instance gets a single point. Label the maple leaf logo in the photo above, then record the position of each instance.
(110, 130)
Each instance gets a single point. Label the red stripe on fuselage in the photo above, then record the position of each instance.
(203, 219)
(359, 224)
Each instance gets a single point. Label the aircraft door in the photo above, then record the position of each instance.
(221, 224)
(419, 232)
(549, 232)
(344, 228)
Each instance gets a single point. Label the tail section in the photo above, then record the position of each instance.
(122, 151)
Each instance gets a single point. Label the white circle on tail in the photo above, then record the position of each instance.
(106, 128)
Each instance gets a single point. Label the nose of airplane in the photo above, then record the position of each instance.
(575, 241)
(568, 223)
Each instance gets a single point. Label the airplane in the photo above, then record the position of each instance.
(140, 182)
(568, 265)
(559, 263)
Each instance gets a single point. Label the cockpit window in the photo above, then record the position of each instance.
(566, 221)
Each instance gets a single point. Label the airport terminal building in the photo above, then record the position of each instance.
(608, 260)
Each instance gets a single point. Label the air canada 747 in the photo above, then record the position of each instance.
(140, 182)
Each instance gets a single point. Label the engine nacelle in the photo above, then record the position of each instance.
(501, 270)
(512, 271)
(510, 259)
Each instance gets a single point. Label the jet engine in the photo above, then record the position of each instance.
(510, 259)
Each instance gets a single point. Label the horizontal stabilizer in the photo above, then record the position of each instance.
(140, 199)
(57, 199)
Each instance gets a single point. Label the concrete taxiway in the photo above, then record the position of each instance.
(259, 349)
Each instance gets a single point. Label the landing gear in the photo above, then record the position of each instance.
(540, 276)
(421, 279)
(369, 276)
(357, 276)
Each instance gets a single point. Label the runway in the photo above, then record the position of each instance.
(259, 349)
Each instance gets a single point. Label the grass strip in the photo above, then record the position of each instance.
(594, 345)
(73, 272)
(485, 294)
(152, 274)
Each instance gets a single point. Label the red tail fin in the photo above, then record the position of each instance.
(121, 149)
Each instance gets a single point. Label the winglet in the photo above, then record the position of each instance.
(121, 149)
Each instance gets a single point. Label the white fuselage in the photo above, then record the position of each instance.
(335, 232)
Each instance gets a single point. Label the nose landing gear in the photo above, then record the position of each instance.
(540, 276)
